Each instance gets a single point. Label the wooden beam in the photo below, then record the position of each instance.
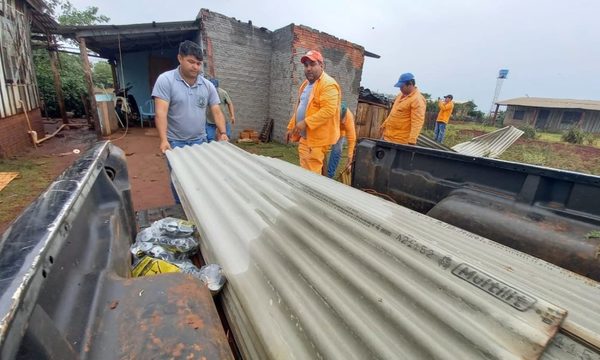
(138, 31)
(495, 115)
(581, 118)
(87, 71)
(60, 98)
(536, 113)
(76, 53)
(113, 69)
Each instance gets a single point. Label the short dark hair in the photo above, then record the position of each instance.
(190, 48)
(410, 82)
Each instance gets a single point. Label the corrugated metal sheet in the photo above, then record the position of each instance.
(553, 103)
(491, 144)
(424, 141)
(317, 269)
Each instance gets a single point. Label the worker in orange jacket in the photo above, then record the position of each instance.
(403, 124)
(316, 119)
(446, 106)
(347, 133)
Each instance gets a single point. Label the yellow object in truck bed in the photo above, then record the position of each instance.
(151, 266)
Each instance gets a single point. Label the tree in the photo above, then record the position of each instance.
(73, 83)
(71, 16)
(102, 75)
(71, 70)
(468, 111)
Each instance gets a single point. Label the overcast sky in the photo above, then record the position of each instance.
(552, 49)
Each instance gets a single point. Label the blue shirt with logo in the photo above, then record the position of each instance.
(186, 117)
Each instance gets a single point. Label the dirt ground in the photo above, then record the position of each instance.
(149, 176)
(148, 171)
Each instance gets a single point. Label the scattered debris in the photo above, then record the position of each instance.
(6, 178)
(166, 247)
(267, 131)
(594, 234)
(114, 304)
(248, 135)
(491, 144)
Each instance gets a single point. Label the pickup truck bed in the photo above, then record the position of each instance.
(548, 213)
(65, 285)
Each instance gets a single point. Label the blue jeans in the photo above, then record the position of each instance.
(211, 131)
(439, 132)
(334, 157)
(181, 143)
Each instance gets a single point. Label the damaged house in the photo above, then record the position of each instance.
(19, 98)
(259, 68)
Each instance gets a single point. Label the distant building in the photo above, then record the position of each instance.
(552, 114)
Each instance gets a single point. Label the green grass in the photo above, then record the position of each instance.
(34, 178)
(284, 152)
(542, 136)
(287, 153)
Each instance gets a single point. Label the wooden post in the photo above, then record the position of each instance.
(534, 119)
(113, 69)
(581, 118)
(87, 71)
(60, 98)
(495, 114)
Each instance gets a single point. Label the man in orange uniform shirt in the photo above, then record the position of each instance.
(406, 119)
(446, 107)
(316, 119)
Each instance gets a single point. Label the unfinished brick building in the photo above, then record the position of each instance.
(261, 69)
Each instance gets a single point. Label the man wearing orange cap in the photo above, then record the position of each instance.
(403, 124)
(316, 119)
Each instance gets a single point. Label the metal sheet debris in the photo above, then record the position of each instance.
(491, 144)
(317, 269)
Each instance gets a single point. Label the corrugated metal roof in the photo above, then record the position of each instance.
(553, 103)
(425, 141)
(491, 144)
(317, 269)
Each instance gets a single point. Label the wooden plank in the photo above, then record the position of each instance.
(6, 178)
(87, 70)
(11, 100)
(158, 29)
(3, 90)
(17, 98)
(58, 85)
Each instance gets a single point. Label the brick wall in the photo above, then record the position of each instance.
(239, 55)
(14, 138)
(261, 69)
(283, 94)
(343, 61)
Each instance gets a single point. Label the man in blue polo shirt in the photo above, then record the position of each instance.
(181, 97)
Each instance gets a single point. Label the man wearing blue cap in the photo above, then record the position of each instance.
(405, 121)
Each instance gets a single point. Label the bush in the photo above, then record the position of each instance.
(590, 139)
(574, 136)
(529, 132)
